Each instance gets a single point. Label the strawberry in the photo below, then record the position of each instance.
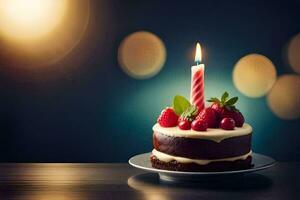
(226, 108)
(210, 116)
(217, 107)
(168, 118)
(189, 114)
(219, 110)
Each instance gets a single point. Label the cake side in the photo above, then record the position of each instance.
(187, 150)
(193, 145)
(168, 158)
(201, 148)
(193, 167)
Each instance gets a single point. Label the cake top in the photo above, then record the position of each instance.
(215, 134)
(221, 114)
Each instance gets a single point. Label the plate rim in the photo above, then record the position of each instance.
(272, 163)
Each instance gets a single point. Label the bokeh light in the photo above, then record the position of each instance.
(30, 19)
(294, 53)
(40, 32)
(254, 75)
(142, 54)
(284, 98)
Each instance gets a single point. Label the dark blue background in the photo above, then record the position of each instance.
(94, 112)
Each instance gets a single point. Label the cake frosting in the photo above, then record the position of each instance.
(168, 158)
(214, 134)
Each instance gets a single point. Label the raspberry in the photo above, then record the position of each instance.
(227, 123)
(199, 125)
(168, 118)
(210, 116)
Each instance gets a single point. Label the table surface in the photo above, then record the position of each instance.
(121, 181)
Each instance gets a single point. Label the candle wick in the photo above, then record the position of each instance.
(197, 62)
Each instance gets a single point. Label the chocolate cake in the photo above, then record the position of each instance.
(212, 150)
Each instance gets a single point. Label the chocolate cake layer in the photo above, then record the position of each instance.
(210, 167)
(196, 148)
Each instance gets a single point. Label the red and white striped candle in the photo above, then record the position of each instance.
(197, 83)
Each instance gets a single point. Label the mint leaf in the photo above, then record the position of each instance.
(180, 104)
(224, 97)
(232, 101)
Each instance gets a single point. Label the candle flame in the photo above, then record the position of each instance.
(198, 55)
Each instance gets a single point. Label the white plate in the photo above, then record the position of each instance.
(142, 161)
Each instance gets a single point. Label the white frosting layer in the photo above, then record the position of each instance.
(215, 134)
(168, 158)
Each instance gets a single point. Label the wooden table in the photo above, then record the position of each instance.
(120, 181)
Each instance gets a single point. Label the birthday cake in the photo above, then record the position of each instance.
(213, 139)
(191, 137)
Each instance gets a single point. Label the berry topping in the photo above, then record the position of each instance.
(168, 118)
(226, 108)
(210, 116)
(199, 125)
(236, 116)
(184, 125)
(227, 123)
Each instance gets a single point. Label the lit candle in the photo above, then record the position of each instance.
(197, 83)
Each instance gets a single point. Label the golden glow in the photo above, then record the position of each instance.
(30, 19)
(198, 55)
(142, 54)
(254, 75)
(284, 98)
(43, 33)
